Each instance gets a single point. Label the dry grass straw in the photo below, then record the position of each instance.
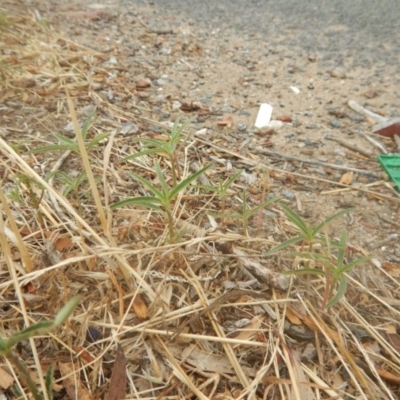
(138, 289)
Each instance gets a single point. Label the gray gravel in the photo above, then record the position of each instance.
(362, 31)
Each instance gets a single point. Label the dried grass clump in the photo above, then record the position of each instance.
(203, 316)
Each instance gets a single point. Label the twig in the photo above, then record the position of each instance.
(334, 166)
(367, 113)
(351, 146)
(280, 170)
(374, 142)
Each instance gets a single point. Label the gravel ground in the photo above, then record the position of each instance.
(358, 33)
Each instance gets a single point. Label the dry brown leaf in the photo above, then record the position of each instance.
(347, 178)
(72, 384)
(140, 307)
(250, 330)
(388, 376)
(292, 317)
(117, 388)
(226, 122)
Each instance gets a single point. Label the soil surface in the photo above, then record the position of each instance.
(214, 63)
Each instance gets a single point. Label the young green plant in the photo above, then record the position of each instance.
(222, 188)
(162, 199)
(308, 233)
(65, 143)
(40, 328)
(333, 268)
(167, 147)
(246, 212)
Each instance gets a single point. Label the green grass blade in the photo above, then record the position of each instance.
(165, 189)
(65, 140)
(147, 184)
(296, 220)
(142, 153)
(97, 139)
(66, 311)
(340, 292)
(330, 219)
(342, 248)
(285, 244)
(53, 147)
(147, 202)
(88, 121)
(186, 182)
(260, 206)
(340, 271)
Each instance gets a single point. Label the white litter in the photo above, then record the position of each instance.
(295, 89)
(264, 115)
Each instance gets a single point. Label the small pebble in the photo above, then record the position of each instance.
(288, 194)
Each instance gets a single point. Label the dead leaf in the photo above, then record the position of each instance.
(388, 376)
(72, 384)
(226, 122)
(292, 317)
(63, 243)
(117, 388)
(140, 307)
(347, 178)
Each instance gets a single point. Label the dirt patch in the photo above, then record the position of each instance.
(130, 74)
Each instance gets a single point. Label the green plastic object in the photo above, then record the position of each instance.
(391, 164)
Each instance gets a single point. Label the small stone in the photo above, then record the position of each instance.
(336, 123)
(288, 194)
(242, 127)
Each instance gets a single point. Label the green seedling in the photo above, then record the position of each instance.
(66, 143)
(333, 268)
(168, 148)
(309, 234)
(40, 328)
(162, 199)
(246, 212)
(222, 188)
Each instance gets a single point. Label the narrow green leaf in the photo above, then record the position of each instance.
(227, 215)
(142, 153)
(37, 329)
(53, 147)
(330, 219)
(296, 220)
(186, 182)
(66, 311)
(340, 292)
(148, 184)
(3, 346)
(86, 124)
(342, 248)
(283, 245)
(65, 140)
(96, 140)
(49, 381)
(260, 206)
(165, 188)
(232, 179)
(144, 201)
(340, 271)
(305, 271)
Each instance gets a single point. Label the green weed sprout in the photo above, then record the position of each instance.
(70, 144)
(40, 328)
(333, 268)
(246, 212)
(309, 234)
(162, 198)
(168, 148)
(222, 188)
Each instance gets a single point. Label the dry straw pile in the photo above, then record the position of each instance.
(176, 300)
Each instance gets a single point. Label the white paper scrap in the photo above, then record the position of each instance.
(264, 115)
(295, 89)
